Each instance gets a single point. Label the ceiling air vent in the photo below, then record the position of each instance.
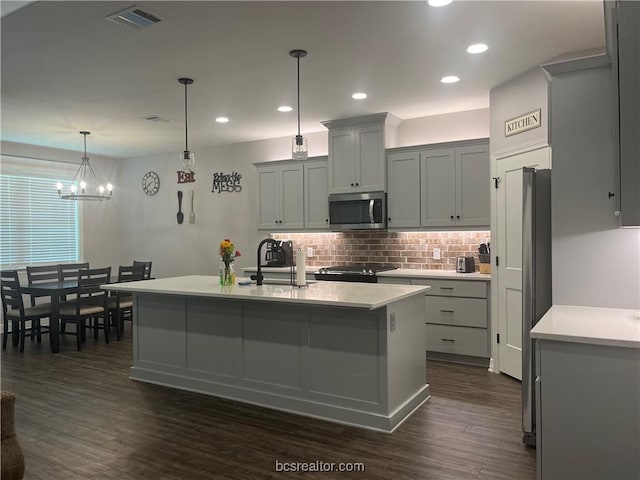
(135, 17)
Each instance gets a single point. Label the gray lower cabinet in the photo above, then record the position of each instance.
(588, 411)
(457, 318)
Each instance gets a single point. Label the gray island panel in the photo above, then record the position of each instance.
(360, 366)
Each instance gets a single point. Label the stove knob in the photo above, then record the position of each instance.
(323, 271)
(364, 271)
(370, 272)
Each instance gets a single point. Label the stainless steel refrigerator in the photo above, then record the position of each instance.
(536, 281)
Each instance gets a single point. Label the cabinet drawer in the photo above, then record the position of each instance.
(453, 288)
(394, 280)
(457, 340)
(462, 312)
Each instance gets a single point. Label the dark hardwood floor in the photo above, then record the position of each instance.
(78, 416)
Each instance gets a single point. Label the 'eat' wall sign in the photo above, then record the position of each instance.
(520, 124)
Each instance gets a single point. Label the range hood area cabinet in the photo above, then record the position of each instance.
(443, 185)
(293, 195)
(624, 25)
(357, 152)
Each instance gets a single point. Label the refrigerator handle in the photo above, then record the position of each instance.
(528, 247)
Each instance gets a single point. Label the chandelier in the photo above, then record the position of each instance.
(85, 184)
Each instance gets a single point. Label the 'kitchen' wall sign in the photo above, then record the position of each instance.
(227, 182)
(520, 124)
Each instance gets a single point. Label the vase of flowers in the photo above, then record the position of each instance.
(228, 254)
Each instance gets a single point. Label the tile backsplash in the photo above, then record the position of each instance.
(402, 249)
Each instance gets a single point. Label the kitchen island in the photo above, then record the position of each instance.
(351, 353)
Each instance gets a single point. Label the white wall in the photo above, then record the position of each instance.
(134, 226)
(101, 235)
(444, 128)
(525, 93)
(595, 262)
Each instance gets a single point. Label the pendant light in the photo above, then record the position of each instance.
(188, 158)
(85, 184)
(299, 150)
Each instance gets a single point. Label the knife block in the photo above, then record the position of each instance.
(485, 262)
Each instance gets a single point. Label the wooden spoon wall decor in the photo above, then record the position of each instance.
(180, 214)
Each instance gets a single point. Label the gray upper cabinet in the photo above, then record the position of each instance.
(280, 196)
(403, 183)
(626, 83)
(473, 185)
(446, 185)
(316, 195)
(357, 152)
(438, 193)
(455, 186)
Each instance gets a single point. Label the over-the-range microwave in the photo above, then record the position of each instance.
(358, 211)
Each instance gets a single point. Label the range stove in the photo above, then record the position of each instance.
(361, 272)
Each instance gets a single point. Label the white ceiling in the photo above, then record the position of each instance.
(65, 68)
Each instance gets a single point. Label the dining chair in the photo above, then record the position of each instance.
(41, 274)
(90, 304)
(69, 271)
(147, 268)
(120, 305)
(13, 310)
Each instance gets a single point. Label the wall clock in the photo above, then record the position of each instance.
(150, 183)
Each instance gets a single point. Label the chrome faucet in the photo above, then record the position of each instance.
(258, 277)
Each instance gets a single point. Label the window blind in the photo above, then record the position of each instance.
(36, 227)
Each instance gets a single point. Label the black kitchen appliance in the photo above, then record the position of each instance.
(361, 272)
(465, 265)
(279, 254)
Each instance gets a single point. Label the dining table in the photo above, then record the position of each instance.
(54, 289)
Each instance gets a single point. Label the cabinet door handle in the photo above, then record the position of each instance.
(389, 218)
(352, 184)
(458, 217)
(451, 217)
(447, 311)
(326, 220)
(446, 288)
(357, 184)
(447, 339)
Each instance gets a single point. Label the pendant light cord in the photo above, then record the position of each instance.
(85, 144)
(298, 94)
(186, 129)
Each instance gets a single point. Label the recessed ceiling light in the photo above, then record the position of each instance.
(439, 3)
(359, 96)
(285, 108)
(222, 120)
(477, 48)
(450, 79)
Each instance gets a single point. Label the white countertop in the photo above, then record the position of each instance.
(338, 294)
(441, 274)
(597, 326)
(399, 272)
